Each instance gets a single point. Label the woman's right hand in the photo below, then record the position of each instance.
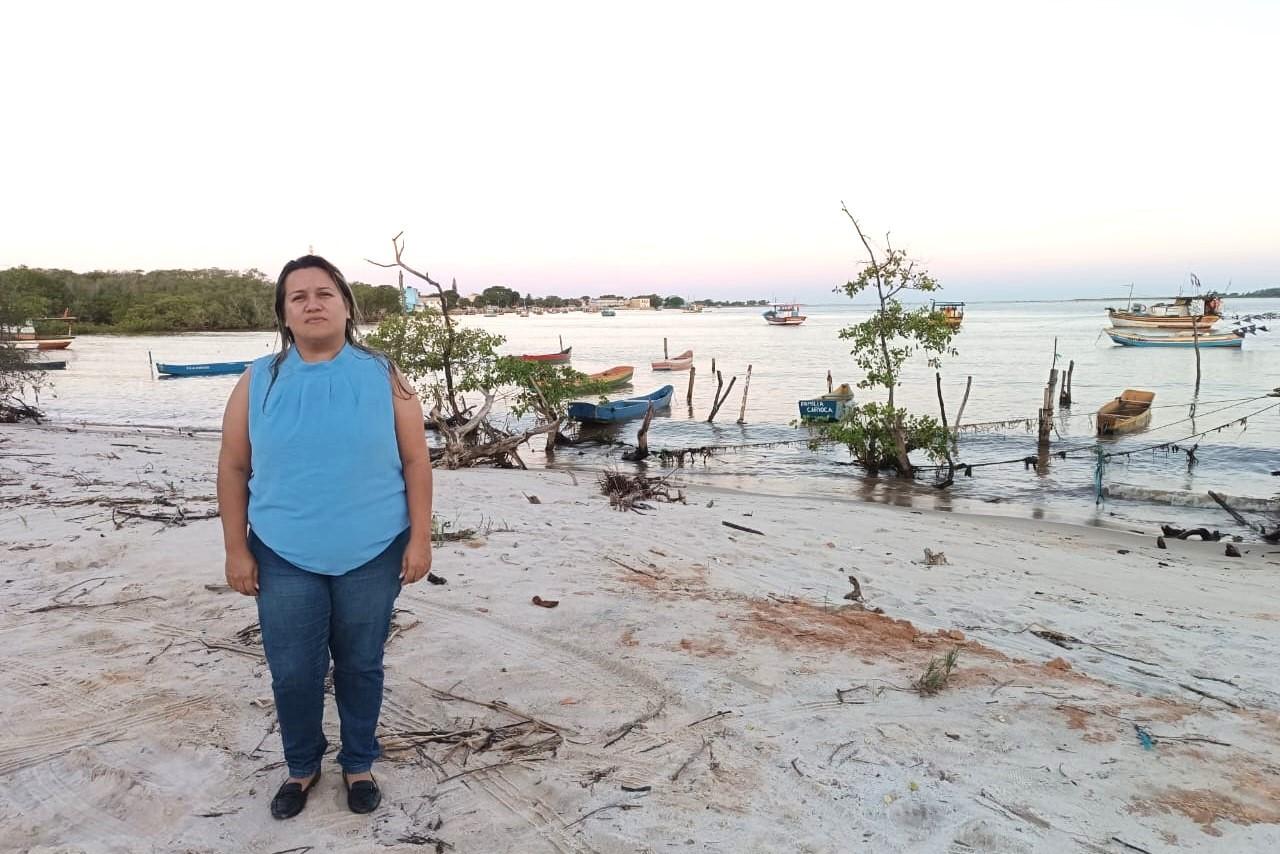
(242, 572)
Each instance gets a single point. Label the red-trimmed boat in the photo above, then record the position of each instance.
(561, 358)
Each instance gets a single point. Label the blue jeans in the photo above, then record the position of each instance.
(307, 617)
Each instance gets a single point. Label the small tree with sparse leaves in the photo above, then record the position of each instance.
(883, 435)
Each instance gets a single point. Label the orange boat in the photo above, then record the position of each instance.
(616, 376)
(561, 358)
(680, 363)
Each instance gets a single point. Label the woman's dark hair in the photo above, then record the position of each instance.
(307, 262)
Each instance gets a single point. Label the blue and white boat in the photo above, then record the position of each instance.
(1126, 338)
(207, 369)
(621, 410)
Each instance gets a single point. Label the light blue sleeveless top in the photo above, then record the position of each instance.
(326, 490)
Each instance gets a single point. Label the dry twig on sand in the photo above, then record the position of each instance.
(631, 491)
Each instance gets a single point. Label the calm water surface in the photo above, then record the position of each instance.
(1007, 348)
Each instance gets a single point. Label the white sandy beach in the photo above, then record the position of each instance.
(770, 714)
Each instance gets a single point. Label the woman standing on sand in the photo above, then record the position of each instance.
(324, 486)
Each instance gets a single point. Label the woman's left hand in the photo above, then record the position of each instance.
(417, 559)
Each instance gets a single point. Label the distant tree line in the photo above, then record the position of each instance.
(161, 300)
(215, 300)
(500, 296)
(1267, 293)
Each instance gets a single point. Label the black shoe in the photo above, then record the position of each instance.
(363, 795)
(291, 798)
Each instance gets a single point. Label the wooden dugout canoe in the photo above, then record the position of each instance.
(1128, 413)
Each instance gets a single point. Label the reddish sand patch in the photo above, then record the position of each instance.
(1076, 717)
(798, 624)
(703, 647)
(629, 638)
(1059, 664)
(1206, 808)
(1254, 799)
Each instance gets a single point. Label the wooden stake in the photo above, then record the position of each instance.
(561, 337)
(151, 366)
(719, 398)
(1195, 332)
(1064, 398)
(1046, 409)
(828, 382)
(642, 439)
(942, 408)
(713, 369)
(959, 413)
(664, 349)
(688, 397)
(746, 387)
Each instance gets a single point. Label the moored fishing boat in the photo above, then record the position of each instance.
(561, 358)
(618, 375)
(1128, 413)
(40, 343)
(204, 369)
(680, 363)
(621, 410)
(952, 313)
(828, 407)
(608, 312)
(1183, 313)
(785, 314)
(1127, 338)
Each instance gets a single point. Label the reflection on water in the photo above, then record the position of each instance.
(1006, 348)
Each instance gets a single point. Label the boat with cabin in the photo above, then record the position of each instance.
(683, 362)
(785, 314)
(30, 337)
(1128, 413)
(1183, 313)
(621, 410)
(608, 312)
(952, 313)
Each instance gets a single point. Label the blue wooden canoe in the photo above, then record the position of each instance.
(1181, 339)
(209, 369)
(621, 410)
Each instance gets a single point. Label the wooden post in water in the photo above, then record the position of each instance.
(1046, 409)
(151, 366)
(1195, 332)
(642, 439)
(746, 387)
(688, 397)
(664, 349)
(561, 337)
(1064, 397)
(713, 370)
(720, 399)
(828, 382)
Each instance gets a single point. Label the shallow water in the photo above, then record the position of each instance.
(1006, 347)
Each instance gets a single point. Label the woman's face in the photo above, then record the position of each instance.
(314, 309)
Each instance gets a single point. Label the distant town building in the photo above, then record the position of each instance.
(612, 302)
(638, 302)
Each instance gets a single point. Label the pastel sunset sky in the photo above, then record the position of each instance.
(1017, 149)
